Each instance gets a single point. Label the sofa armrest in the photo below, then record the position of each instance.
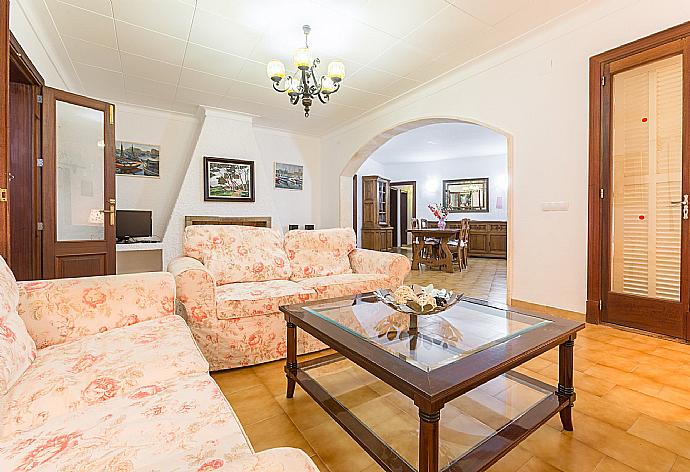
(196, 289)
(63, 310)
(281, 459)
(395, 266)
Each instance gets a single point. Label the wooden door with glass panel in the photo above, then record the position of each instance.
(79, 186)
(646, 207)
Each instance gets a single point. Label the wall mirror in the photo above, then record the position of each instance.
(466, 195)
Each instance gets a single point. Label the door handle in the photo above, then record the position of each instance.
(684, 204)
(111, 211)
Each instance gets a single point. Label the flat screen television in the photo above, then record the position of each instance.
(132, 224)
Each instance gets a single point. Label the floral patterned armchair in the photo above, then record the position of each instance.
(116, 383)
(232, 279)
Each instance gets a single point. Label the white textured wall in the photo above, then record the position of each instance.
(535, 89)
(230, 135)
(176, 134)
(430, 176)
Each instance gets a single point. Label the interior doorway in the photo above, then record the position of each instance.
(60, 219)
(407, 210)
(24, 186)
(441, 161)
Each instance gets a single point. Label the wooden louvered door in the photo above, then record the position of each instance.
(646, 212)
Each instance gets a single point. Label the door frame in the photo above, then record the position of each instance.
(413, 183)
(598, 192)
(4, 132)
(22, 68)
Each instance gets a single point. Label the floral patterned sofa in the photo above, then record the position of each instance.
(232, 279)
(98, 374)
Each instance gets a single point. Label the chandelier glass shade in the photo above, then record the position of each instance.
(303, 86)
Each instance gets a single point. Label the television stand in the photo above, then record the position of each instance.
(134, 257)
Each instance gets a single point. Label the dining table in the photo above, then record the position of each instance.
(442, 257)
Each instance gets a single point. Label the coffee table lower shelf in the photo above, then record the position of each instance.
(477, 459)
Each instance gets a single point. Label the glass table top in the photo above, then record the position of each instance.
(427, 341)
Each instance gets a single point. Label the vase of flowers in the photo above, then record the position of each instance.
(440, 212)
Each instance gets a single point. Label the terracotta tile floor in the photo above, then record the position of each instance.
(632, 411)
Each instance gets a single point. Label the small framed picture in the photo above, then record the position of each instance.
(288, 176)
(228, 180)
(137, 159)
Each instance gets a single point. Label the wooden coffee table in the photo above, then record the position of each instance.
(448, 378)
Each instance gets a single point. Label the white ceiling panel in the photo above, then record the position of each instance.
(223, 34)
(101, 83)
(144, 42)
(397, 17)
(182, 53)
(212, 62)
(151, 69)
(82, 24)
(208, 83)
(164, 16)
(152, 88)
(198, 97)
(451, 28)
(491, 11)
(102, 7)
(92, 53)
(373, 80)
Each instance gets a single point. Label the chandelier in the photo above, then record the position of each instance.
(303, 86)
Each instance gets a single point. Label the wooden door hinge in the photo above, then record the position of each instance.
(601, 193)
(39, 226)
(3, 194)
(39, 98)
(603, 80)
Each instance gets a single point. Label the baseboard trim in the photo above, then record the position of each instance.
(547, 310)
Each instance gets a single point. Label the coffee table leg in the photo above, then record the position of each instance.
(428, 441)
(291, 363)
(565, 381)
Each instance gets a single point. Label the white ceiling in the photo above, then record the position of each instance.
(441, 141)
(177, 54)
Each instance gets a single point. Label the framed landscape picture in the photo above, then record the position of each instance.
(137, 159)
(228, 180)
(288, 176)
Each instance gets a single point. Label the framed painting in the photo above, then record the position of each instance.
(228, 180)
(288, 176)
(137, 159)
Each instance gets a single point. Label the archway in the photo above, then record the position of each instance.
(378, 140)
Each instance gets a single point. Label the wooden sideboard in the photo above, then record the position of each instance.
(487, 238)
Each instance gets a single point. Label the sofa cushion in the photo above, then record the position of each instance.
(238, 253)
(64, 310)
(131, 361)
(247, 299)
(17, 348)
(341, 285)
(317, 253)
(183, 425)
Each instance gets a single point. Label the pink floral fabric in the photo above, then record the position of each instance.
(196, 288)
(333, 286)
(70, 377)
(64, 310)
(319, 253)
(182, 425)
(394, 266)
(238, 253)
(240, 342)
(246, 299)
(17, 348)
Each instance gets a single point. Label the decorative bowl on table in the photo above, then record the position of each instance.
(418, 300)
